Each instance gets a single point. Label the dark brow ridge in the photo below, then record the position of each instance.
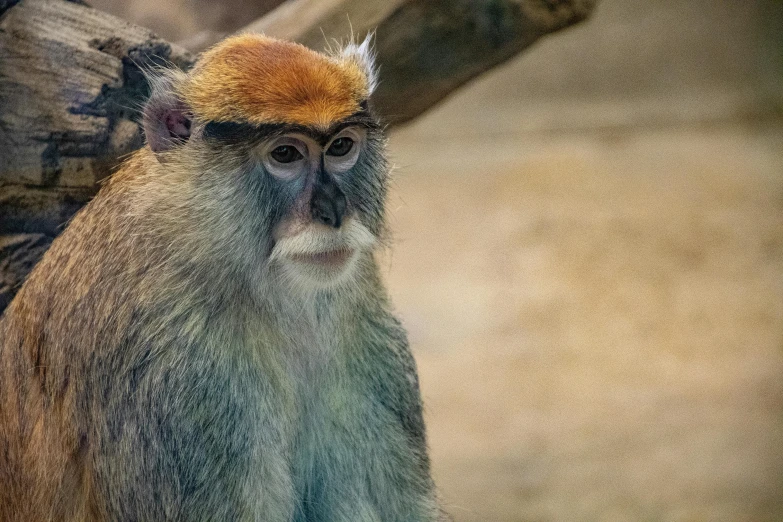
(232, 131)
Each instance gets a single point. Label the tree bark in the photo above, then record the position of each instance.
(70, 90)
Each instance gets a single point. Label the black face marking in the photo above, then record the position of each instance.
(328, 203)
(227, 132)
(234, 132)
(361, 191)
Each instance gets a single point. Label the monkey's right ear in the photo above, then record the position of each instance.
(167, 118)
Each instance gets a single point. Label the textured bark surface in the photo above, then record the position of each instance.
(70, 88)
(71, 84)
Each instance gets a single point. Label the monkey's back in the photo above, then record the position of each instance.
(47, 335)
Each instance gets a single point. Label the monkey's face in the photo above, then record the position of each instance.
(287, 161)
(316, 194)
(323, 233)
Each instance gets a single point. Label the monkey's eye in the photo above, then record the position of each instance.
(340, 147)
(284, 157)
(343, 151)
(286, 154)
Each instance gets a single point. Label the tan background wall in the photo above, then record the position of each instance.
(589, 259)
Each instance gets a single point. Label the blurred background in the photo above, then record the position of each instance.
(588, 257)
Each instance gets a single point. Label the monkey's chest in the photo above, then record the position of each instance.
(293, 435)
(324, 422)
(344, 435)
(342, 432)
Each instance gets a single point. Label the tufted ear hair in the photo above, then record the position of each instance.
(167, 118)
(363, 55)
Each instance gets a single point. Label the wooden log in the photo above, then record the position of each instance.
(70, 90)
(187, 22)
(71, 86)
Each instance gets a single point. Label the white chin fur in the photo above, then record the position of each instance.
(318, 239)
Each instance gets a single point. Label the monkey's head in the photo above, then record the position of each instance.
(273, 156)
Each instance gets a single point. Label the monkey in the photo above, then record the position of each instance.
(210, 337)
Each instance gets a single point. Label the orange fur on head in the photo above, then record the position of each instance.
(256, 79)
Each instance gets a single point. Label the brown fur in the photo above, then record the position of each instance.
(256, 79)
(44, 334)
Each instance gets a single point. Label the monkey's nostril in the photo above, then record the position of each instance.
(328, 205)
(326, 214)
(326, 219)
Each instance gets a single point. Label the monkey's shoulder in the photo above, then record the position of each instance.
(389, 369)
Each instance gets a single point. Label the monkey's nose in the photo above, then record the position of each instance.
(328, 205)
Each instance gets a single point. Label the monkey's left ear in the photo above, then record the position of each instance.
(167, 118)
(363, 55)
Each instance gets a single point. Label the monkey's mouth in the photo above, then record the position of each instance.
(331, 258)
(322, 257)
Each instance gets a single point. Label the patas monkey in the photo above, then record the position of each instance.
(209, 338)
